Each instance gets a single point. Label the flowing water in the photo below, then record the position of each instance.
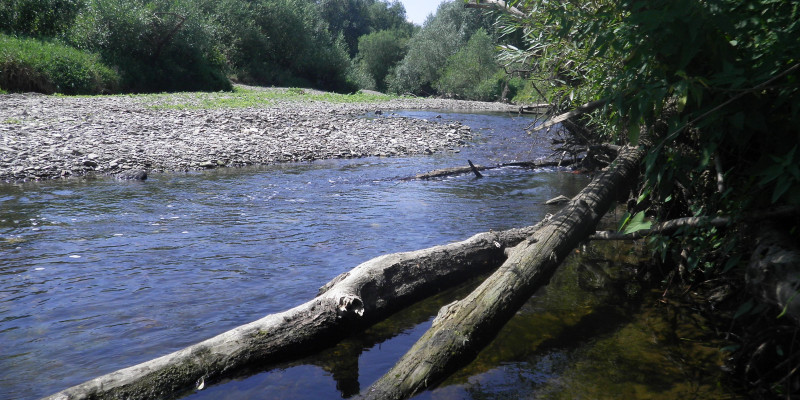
(97, 275)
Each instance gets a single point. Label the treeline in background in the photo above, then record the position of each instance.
(131, 46)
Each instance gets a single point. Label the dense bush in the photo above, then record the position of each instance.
(33, 65)
(158, 45)
(40, 18)
(280, 42)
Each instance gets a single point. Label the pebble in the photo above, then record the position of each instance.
(49, 137)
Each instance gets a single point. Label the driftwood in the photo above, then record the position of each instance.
(474, 170)
(445, 172)
(368, 293)
(535, 108)
(464, 327)
(586, 108)
(499, 5)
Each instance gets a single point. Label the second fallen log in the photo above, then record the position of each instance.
(464, 327)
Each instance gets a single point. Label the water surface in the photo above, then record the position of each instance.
(97, 275)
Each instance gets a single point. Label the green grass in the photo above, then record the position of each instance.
(33, 65)
(246, 97)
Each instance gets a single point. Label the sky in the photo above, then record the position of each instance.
(418, 10)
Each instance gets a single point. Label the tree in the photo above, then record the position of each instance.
(429, 49)
(472, 71)
(379, 52)
(355, 18)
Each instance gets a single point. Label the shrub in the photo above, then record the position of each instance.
(34, 65)
(158, 45)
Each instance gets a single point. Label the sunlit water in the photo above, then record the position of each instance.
(100, 275)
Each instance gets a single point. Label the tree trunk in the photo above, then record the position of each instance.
(464, 327)
(368, 293)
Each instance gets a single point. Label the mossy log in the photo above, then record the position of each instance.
(464, 327)
(354, 300)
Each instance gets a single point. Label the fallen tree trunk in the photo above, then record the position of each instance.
(464, 327)
(368, 293)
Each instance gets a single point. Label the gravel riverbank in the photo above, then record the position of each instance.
(49, 137)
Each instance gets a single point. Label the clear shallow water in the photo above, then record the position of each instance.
(100, 275)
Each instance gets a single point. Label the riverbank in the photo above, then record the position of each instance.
(50, 137)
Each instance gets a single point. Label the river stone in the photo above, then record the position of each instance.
(80, 134)
(137, 175)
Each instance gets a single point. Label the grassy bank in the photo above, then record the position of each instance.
(31, 65)
(244, 97)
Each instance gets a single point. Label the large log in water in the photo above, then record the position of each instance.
(368, 293)
(464, 327)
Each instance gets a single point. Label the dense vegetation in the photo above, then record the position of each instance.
(36, 66)
(729, 69)
(177, 45)
(164, 45)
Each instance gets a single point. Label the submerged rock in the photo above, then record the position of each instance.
(133, 175)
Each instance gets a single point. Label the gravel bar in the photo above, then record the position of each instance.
(51, 137)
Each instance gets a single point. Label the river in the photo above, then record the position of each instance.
(97, 275)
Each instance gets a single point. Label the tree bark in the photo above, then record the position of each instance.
(368, 293)
(464, 327)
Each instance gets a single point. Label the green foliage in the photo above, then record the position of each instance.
(428, 50)
(353, 19)
(280, 42)
(634, 223)
(472, 71)
(158, 45)
(378, 53)
(732, 71)
(34, 65)
(39, 18)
